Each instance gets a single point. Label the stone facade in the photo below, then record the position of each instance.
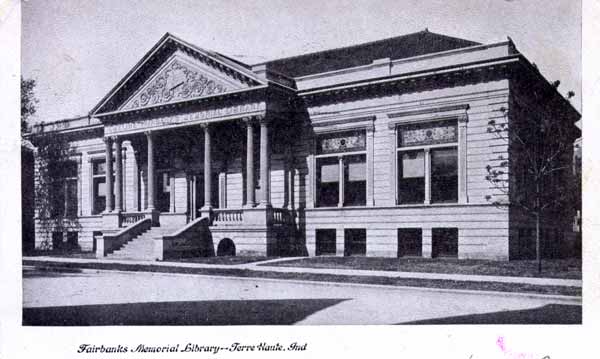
(379, 149)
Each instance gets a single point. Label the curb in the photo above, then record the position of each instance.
(247, 273)
(557, 282)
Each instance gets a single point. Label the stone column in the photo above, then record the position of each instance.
(109, 171)
(341, 181)
(136, 182)
(288, 178)
(427, 176)
(462, 159)
(118, 175)
(250, 198)
(370, 166)
(207, 169)
(150, 188)
(264, 163)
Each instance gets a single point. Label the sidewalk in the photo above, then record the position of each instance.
(261, 267)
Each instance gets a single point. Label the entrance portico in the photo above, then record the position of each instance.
(205, 170)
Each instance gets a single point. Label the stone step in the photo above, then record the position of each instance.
(141, 247)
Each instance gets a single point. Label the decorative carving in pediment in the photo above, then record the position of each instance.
(176, 82)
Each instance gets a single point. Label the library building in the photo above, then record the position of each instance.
(376, 149)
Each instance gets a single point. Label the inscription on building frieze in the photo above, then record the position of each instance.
(174, 120)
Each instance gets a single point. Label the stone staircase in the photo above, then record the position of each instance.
(142, 246)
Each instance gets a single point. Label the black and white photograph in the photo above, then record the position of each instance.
(340, 164)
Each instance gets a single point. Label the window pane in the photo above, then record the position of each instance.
(328, 182)
(101, 192)
(71, 198)
(410, 242)
(444, 175)
(99, 195)
(330, 173)
(57, 198)
(355, 180)
(100, 167)
(355, 241)
(444, 242)
(325, 239)
(163, 195)
(411, 177)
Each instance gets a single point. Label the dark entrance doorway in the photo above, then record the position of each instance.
(195, 195)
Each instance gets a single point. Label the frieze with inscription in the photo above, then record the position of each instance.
(178, 82)
(195, 117)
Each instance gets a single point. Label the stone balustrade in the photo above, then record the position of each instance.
(281, 216)
(128, 219)
(227, 216)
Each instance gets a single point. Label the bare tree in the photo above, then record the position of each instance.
(537, 176)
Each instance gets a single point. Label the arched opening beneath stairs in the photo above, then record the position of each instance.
(226, 247)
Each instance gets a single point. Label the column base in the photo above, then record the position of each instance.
(264, 205)
(249, 206)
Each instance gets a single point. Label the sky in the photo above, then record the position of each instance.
(78, 50)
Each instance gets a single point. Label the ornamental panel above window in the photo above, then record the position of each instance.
(431, 133)
(342, 142)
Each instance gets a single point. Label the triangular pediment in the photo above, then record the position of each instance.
(174, 71)
(182, 78)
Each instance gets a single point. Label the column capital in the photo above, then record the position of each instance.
(263, 120)
(249, 121)
(205, 126)
(115, 138)
(149, 133)
(463, 119)
(107, 139)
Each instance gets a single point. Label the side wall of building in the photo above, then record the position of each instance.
(527, 104)
(483, 228)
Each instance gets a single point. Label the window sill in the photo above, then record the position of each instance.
(401, 206)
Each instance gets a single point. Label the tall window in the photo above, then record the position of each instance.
(341, 169)
(64, 191)
(99, 186)
(433, 143)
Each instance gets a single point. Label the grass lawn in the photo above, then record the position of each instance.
(60, 253)
(222, 260)
(238, 272)
(551, 268)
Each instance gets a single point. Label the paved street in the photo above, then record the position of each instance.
(91, 297)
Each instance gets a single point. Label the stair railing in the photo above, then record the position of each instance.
(113, 241)
(130, 218)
